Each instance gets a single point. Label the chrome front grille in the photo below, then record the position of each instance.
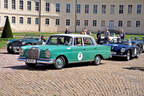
(33, 53)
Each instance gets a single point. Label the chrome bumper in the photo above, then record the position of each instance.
(39, 61)
(116, 55)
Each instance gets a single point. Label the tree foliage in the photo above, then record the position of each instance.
(7, 32)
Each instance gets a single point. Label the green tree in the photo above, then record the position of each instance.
(7, 32)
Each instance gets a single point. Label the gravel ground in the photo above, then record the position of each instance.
(112, 78)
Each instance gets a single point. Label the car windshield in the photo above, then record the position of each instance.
(59, 40)
(26, 36)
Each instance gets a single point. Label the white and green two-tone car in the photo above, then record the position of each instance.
(62, 49)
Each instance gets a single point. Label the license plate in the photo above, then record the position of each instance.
(30, 61)
(113, 53)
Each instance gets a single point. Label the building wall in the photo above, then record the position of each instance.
(52, 15)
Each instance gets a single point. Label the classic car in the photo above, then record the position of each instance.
(14, 44)
(113, 36)
(62, 49)
(138, 41)
(124, 49)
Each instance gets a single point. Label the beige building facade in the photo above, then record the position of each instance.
(56, 15)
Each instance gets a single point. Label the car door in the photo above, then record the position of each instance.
(89, 49)
(78, 50)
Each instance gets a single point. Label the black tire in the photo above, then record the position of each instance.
(128, 57)
(138, 53)
(60, 62)
(10, 51)
(97, 60)
(31, 65)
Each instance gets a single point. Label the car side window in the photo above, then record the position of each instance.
(78, 41)
(87, 41)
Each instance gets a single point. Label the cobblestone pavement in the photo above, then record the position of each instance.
(112, 78)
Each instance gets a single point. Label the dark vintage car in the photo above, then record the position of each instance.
(14, 44)
(124, 49)
(138, 41)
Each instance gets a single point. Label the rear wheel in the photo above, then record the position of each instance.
(97, 60)
(31, 65)
(60, 62)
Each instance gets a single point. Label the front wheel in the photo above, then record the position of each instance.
(137, 53)
(128, 56)
(97, 60)
(60, 62)
(10, 51)
(31, 65)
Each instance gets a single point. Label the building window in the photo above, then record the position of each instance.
(128, 23)
(21, 20)
(103, 23)
(137, 23)
(86, 8)
(36, 21)
(95, 8)
(28, 5)
(112, 9)
(67, 22)
(28, 20)
(37, 6)
(103, 9)
(57, 21)
(78, 8)
(67, 8)
(13, 20)
(85, 22)
(13, 4)
(94, 23)
(57, 7)
(77, 22)
(139, 9)
(129, 9)
(120, 23)
(6, 4)
(47, 6)
(121, 7)
(21, 4)
(47, 21)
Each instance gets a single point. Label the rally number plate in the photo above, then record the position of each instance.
(30, 61)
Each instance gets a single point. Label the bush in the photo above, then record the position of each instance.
(7, 32)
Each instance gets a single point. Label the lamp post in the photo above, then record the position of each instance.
(39, 28)
(39, 15)
(75, 14)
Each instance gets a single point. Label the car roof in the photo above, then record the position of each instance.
(72, 35)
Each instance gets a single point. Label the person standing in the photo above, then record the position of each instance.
(98, 37)
(67, 31)
(106, 35)
(122, 34)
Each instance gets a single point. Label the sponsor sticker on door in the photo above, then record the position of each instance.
(80, 56)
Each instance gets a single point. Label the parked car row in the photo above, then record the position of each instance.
(63, 49)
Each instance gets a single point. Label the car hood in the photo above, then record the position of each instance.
(24, 40)
(116, 47)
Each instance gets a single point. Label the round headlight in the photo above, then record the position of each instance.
(47, 53)
(21, 52)
(123, 50)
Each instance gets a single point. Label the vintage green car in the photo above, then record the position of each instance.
(62, 49)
